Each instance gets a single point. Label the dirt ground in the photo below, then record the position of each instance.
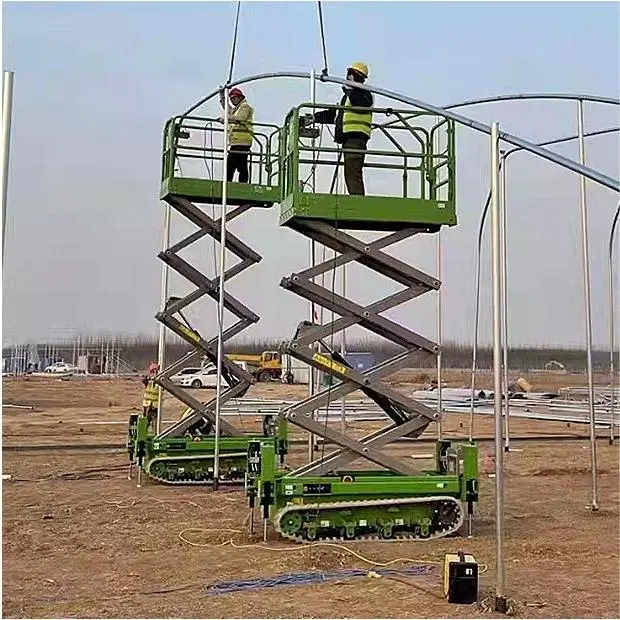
(80, 540)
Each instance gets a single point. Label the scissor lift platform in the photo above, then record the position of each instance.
(192, 158)
(425, 162)
(203, 191)
(326, 498)
(191, 153)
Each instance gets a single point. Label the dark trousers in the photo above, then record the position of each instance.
(238, 161)
(354, 166)
(151, 414)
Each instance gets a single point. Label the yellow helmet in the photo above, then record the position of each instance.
(360, 67)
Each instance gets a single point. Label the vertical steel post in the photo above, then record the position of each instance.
(112, 352)
(343, 346)
(474, 358)
(612, 346)
(504, 299)
(312, 370)
(7, 113)
(220, 311)
(500, 597)
(161, 347)
(588, 305)
(439, 276)
(435, 146)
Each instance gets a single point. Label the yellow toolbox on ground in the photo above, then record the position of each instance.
(460, 578)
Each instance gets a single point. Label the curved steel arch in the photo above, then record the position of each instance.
(516, 149)
(612, 304)
(530, 97)
(522, 96)
(565, 162)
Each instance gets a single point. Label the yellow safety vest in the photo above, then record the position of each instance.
(151, 394)
(241, 133)
(354, 121)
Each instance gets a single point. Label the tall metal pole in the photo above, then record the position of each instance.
(474, 359)
(220, 312)
(161, 348)
(588, 305)
(436, 149)
(500, 597)
(504, 300)
(7, 113)
(112, 353)
(312, 374)
(439, 276)
(612, 346)
(343, 347)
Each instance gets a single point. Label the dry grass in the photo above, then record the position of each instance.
(100, 547)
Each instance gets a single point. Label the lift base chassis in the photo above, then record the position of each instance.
(190, 460)
(363, 504)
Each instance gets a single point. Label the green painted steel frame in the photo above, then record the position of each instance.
(372, 212)
(366, 485)
(371, 484)
(264, 192)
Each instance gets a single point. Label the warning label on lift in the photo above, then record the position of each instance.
(191, 335)
(329, 363)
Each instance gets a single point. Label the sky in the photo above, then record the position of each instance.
(95, 83)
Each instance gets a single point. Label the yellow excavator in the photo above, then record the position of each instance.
(264, 367)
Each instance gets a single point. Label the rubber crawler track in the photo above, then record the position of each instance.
(362, 503)
(204, 457)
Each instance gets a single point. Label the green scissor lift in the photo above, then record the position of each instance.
(329, 497)
(184, 452)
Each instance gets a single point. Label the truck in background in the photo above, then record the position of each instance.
(264, 367)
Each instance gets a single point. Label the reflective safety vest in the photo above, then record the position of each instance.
(354, 121)
(241, 132)
(151, 394)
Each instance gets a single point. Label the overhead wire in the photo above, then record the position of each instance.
(324, 257)
(234, 46)
(324, 46)
(231, 67)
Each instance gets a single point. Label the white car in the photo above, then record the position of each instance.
(61, 368)
(206, 377)
(185, 372)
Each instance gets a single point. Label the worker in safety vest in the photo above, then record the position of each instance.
(352, 126)
(151, 394)
(240, 134)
